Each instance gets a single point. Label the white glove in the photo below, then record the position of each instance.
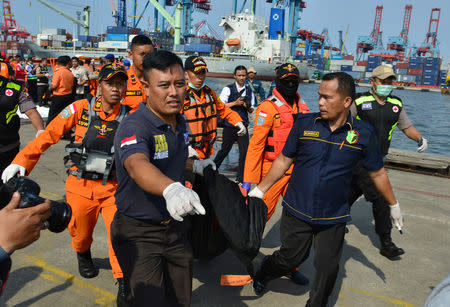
(38, 132)
(200, 165)
(255, 192)
(11, 171)
(396, 216)
(242, 130)
(192, 152)
(181, 201)
(47, 75)
(422, 145)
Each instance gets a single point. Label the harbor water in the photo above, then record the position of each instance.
(428, 111)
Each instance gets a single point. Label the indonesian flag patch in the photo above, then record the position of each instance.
(128, 141)
(263, 114)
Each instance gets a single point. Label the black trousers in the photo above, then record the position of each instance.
(156, 261)
(362, 184)
(41, 91)
(297, 237)
(32, 89)
(59, 102)
(6, 158)
(229, 136)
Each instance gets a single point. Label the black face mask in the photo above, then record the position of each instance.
(287, 87)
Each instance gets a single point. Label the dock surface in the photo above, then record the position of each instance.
(46, 273)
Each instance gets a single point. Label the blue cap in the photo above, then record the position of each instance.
(126, 62)
(109, 56)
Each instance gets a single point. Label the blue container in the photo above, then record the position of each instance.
(418, 79)
(69, 44)
(415, 65)
(84, 38)
(116, 30)
(431, 83)
(416, 60)
(435, 66)
(202, 48)
(443, 73)
(430, 60)
(337, 57)
(370, 69)
(117, 37)
(94, 45)
(346, 68)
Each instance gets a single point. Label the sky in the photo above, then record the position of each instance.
(334, 15)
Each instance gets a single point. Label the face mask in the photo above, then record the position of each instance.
(287, 88)
(384, 90)
(196, 88)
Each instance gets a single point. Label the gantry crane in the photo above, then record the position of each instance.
(373, 41)
(10, 27)
(430, 45)
(399, 44)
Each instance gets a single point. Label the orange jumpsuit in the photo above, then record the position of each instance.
(135, 91)
(87, 197)
(200, 115)
(257, 165)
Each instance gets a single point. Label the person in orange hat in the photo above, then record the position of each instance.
(5, 68)
(140, 46)
(91, 183)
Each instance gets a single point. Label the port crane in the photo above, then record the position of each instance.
(374, 40)
(398, 44)
(430, 45)
(10, 27)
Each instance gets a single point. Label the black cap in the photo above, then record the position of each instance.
(110, 70)
(194, 63)
(287, 70)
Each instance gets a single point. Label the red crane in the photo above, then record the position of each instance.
(406, 21)
(430, 44)
(10, 27)
(367, 43)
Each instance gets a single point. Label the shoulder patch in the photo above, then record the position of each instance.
(260, 120)
(161, 147)
(309, 133)
(68, 111)
(352, 136)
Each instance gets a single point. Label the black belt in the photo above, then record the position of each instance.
(151, 222)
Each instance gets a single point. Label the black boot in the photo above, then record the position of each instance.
(86, 267)
(388, 248)
(122, 293)
(298, 277)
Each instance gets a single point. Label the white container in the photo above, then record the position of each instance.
(359, 68)
(368, 74)
(113, 45)
(341, 62)
(335, 67)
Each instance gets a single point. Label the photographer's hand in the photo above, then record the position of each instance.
(21, 227)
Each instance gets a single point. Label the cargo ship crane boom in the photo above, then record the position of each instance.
(430, 45)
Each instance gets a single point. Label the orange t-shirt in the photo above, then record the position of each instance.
(135, 91)
(63, 80)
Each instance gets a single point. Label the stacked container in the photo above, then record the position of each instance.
(373, 61)
(431, 71)
(442, 77)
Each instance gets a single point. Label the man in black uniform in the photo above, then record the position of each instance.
(384, 112)
(149, 230)
(42, 75)
(12, 98)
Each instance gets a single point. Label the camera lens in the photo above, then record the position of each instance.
(61, 215)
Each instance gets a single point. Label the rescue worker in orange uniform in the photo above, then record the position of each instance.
(91, 185)
(274, 119)
(201, 107)
(5, 68)
(140, 46)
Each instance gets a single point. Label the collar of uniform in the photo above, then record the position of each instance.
(155, 120)
(278, 95)
(98, 107)
(348, 123)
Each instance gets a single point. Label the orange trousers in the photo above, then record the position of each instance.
(85, 213)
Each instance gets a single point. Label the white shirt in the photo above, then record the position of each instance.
(81, 75)
(225, 94)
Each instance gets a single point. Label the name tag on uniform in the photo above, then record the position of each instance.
(133, 93)
(367, 106)
(311, 133)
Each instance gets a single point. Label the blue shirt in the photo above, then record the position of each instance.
(323, 162)
(144, 132)
(257, 85)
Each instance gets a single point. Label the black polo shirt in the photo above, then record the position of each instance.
(323, 164)
(144, 132)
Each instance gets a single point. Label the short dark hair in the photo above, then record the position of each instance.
(346, 84)
(240, 67)
(160, 60)
(63, 60)
(74, 58)
(140, 40)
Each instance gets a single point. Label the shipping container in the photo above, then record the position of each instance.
(443, 73)
(429, 83)
(429, 78)
(337, 57)
(370, 69)
(361, 63)
(94, 45)
(402, 65)
(84, 38)
(54, 31)
(346, 67)
(358, 68)
(431, 72)
(416, 60)
(401, 71)
(430, 60)
(415, 65)
(202, 48)
(341, 62)
(117, 37)
(368, 74)
(357, 75)
(406, 78)
(113, 45)
(335, 67)
(69, 44)
(413, 71)
(418, 79)
(349, 57)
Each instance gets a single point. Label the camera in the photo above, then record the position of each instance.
(29, 197)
